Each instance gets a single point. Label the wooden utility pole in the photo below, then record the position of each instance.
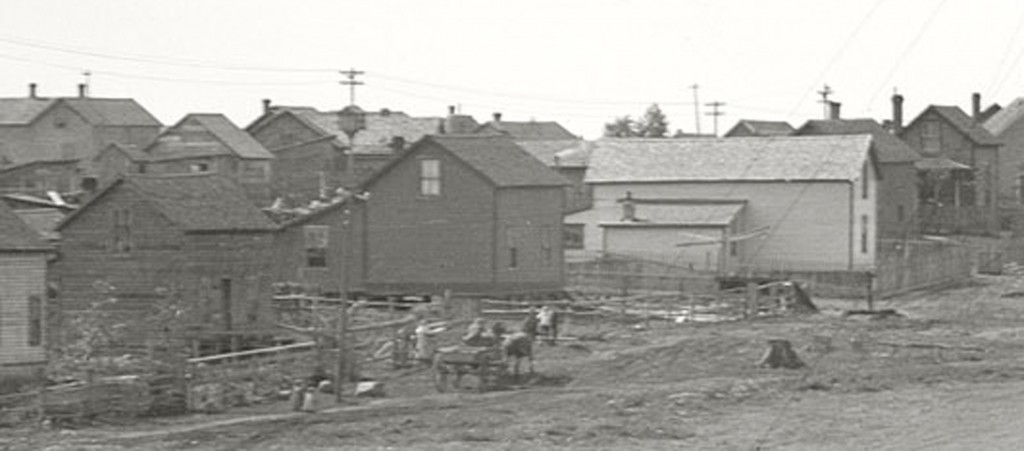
(696, 108)
(715, 113)
(351, 74)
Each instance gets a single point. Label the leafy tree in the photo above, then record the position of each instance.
(654, 123)
(621, 127)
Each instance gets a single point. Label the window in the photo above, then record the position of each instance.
(430, 177)
(35, 320)
(198, 167)
(122, 239)
(573, 236)
(315, 239)
(864, 234)
(931, 138)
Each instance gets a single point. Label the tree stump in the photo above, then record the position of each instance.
(780, 354)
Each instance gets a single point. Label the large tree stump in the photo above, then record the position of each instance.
(780, 354)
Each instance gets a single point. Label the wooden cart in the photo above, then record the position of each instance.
(485, 363)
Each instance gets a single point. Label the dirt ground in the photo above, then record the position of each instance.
(949, 374)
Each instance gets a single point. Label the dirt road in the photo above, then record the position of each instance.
(948, 376)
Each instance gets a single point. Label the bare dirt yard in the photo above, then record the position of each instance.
(947, 374)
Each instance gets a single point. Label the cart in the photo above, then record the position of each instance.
(487, 364)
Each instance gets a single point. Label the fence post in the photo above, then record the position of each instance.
(751, 309)
(871, 290)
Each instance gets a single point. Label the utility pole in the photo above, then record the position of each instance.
(351, 74)
(715, 112)
(696, 107)
(824, 93)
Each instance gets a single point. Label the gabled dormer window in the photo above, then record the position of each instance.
(430, 177)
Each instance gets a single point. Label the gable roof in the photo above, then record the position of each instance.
(729, 159)
(495, 157)
(96, 111)
(235, 139)
(962, 122)
(888, 148)
(203, 202)
(528, 131)
(17, 236)
(22, 111)
(43, 220)
(761, 128)
(227, 140)
(381, 126)
(1004, 118)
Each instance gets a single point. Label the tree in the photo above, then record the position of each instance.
(654, 123)
(621, 127)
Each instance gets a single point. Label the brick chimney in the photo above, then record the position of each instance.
(897, 114)
(32, 90)
(497, 117)
(266, 106)
(976, 106)
(833, 110)
(83, 90)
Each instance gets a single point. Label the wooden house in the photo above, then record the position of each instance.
(199, 143)
(23, 296)
(527, 130)
(467, 213)
(194, 240)
(734, 204)
(747, 127)
(568, 158)
(1007, 125)
(959, 171)
(37, 128)
(898, 193)
(38, 178)
(310, 147)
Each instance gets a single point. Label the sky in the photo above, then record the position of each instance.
(581, 63)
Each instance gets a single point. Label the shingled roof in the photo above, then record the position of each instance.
(96, 111)
(381, 126)
(17, 236)
(888, 148)
(760, 128)
(1004, 118)
(202, 202)
(495, 157)
(729, 159)
(529, 131)
(237, 141)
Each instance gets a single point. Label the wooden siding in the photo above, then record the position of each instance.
(531, 219)
(163, 258)
(433, 242)
(897, 192)
(21, 276)
(658, 244)
(290, 261)
(1011, 164)
(811, 223)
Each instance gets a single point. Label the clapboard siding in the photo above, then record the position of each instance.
(21, 276)
(813, 224)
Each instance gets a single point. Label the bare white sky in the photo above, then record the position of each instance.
(579, 62)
